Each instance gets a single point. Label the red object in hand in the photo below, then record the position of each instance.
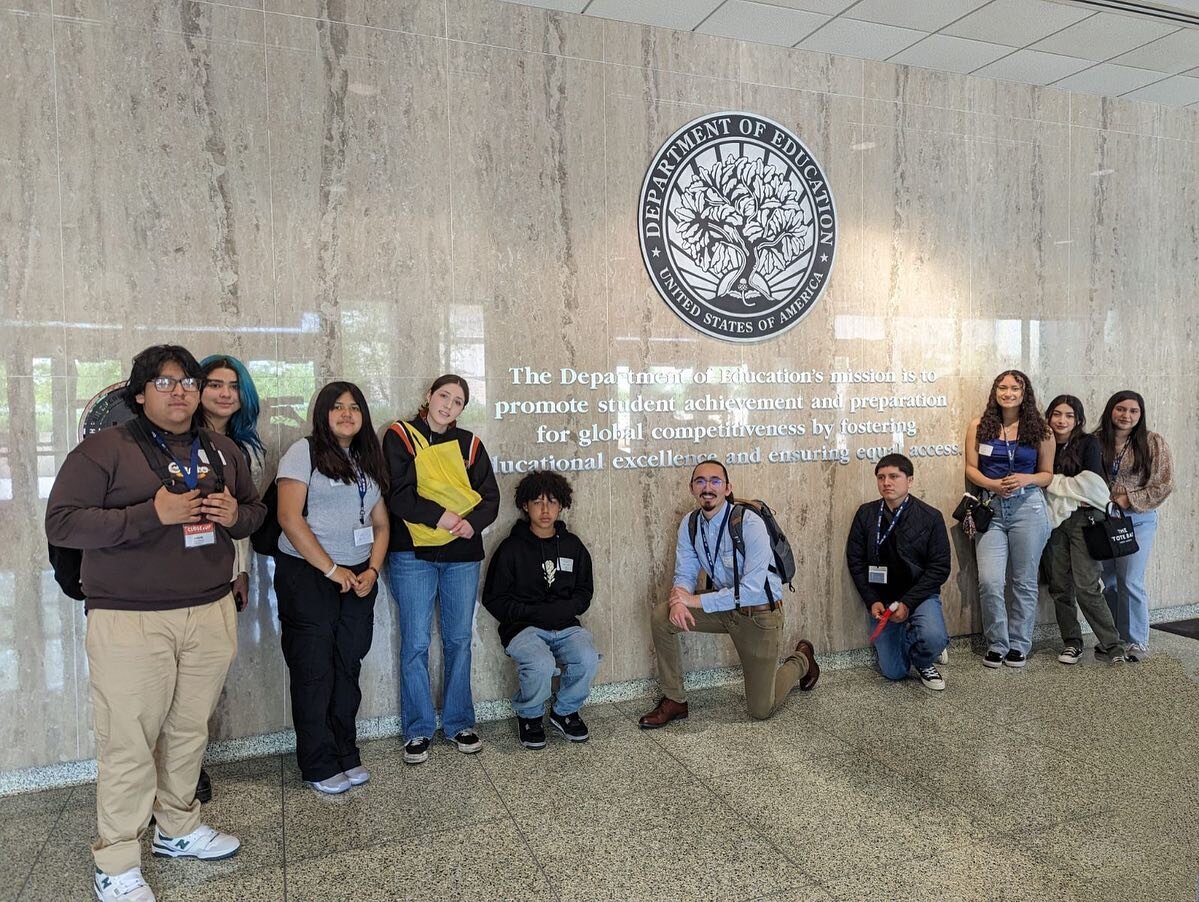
(882, 621)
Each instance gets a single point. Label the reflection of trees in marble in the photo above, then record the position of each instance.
(743, 221)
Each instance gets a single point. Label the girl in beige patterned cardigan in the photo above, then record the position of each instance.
(1140, 471)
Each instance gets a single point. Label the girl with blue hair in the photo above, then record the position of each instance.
(229, 405)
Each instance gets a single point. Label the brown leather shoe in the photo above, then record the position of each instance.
(667, 710)
(808, 682)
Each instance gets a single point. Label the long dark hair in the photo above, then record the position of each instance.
(365, 452)
(243, 425)
(1032, 429)
(1142, 463)
(1069, 454)
(447, 379)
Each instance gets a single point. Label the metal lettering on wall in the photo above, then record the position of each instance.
(737, 225)
(627, 419)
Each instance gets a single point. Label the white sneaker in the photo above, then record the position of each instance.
(943, 657)
(332, 786)
(358, 775)
(204, 843)
(129, 886)
(931, 678)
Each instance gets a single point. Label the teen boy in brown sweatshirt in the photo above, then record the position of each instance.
(161, 628)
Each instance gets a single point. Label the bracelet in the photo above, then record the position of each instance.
(376, 571)
(332, 569)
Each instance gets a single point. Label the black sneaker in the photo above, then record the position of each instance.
(416, 751)
(204, 788)
(1015, 659)
(531, 731)
(467, 741)
(571, 726)
(1070, 654)
(992, 659)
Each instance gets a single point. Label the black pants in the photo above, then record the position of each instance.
(325, 635)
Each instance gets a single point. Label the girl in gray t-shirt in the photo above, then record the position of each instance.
(335, 538)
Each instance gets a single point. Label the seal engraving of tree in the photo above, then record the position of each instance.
(742, 221)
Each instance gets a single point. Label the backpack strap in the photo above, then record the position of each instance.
(470, 449)
(215, 460)
(737, 534)
(399, 429)
(153, 456)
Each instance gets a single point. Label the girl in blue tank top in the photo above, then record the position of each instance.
(1009, 458)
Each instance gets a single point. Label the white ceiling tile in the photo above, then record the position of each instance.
(681, 14)
(1103, 36)
(867, 40)
(566, 6)
(1033, 67)
(824, 7)
(762, 23)
(1175, 52)
(1016, 22)
(1177, 90)
(1109, 79)
(942, 51)
(927, 15)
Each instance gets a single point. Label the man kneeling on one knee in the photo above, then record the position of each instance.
(538, 584)
(754, 623)
(898, 553)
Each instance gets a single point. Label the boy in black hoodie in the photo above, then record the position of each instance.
(538, 583)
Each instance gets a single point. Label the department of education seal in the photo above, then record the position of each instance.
(738, 227)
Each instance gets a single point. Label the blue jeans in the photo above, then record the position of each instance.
(1124, 582)
(1014, 542)
(416, 585)
(917, 641)
(538, 653)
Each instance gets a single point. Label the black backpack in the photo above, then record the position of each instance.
(265, 539)
(67, 563)
(784, 557)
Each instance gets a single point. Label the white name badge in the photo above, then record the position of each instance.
(364, 535)
(197, 534)
(566, 565)
(878, 575)
(985, 450)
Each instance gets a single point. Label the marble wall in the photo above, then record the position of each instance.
(383, 191)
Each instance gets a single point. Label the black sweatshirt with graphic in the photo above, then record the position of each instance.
(544, 583)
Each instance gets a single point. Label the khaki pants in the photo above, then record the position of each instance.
(156, 677)
(757, 638)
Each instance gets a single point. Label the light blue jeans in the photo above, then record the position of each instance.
(1124, 582)
(538, 653)
(917, 641)
(1014, 543)
(417, 586)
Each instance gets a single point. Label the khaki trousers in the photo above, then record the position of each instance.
(757, 638)
(155, 677)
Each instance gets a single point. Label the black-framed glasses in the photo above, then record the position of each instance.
(166, 384)
(714, 482)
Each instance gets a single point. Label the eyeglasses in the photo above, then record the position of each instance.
(218, 385)
(166, 384)
(714, 482)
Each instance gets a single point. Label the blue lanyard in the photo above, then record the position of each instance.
(703, 534)
(1115, 468)
(191, 475)
(361, 496)
(879, 536)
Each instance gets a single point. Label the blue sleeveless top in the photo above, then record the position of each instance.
(1006, 457)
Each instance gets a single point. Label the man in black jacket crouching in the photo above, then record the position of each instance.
(898, 554)
(538, 583)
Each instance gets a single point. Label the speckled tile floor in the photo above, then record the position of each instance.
(1051, 783)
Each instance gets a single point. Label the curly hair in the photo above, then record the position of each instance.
(1032, 430)
(539, 483)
